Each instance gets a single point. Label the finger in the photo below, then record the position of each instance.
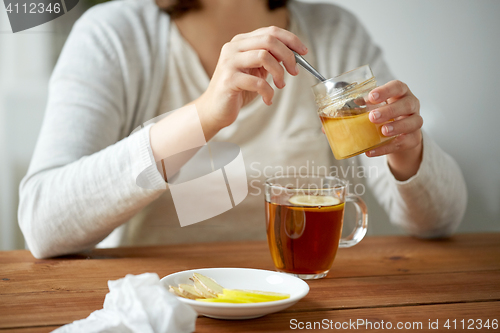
(247, 82)
(405, 125)
(392, 89)
(286, 37)
(274, 46)
(261, 58)
(399, 143)
(405, 106)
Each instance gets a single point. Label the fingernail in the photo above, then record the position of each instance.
(388, 129)
(375, 114)
(304, 49)
(296, 68)
(372, 152)
(375, 96)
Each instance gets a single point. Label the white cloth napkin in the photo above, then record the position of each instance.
(138, 304)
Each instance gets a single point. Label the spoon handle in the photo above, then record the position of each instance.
(301, 61)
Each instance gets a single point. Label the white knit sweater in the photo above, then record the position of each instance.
(110, 79)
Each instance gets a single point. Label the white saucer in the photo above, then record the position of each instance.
(243, 278)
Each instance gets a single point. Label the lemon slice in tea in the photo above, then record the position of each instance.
(313, 200)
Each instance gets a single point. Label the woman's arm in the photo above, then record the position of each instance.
(240, 75)
(420, 187)
(80, 184)
(431, 203)
(73, 207)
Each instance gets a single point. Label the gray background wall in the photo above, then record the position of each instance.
(447, 51)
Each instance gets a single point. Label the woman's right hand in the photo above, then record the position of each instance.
(240, 75)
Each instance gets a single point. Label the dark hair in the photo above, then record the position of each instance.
(177, 8)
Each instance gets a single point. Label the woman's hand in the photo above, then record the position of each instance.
(243, 66)
(404, 153)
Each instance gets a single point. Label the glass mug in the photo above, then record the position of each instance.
(343, 108)
(304, 217)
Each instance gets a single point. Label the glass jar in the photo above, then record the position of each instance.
(343, 108)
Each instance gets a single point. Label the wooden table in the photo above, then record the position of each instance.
(383, 280)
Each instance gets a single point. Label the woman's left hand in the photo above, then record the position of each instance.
(404, 152)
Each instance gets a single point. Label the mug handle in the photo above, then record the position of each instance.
(361, 222)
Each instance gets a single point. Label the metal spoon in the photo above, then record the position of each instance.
(303, 62)
(336, 85)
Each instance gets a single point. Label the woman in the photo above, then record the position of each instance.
(129, 61)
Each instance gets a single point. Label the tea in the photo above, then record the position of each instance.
(304, 239)
(351, 135)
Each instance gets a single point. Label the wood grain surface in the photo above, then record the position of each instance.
(396, 279)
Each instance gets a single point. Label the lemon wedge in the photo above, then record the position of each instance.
(245, 296)
(313, 200)
(252, 296)
(205, 289)
(223, 299)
